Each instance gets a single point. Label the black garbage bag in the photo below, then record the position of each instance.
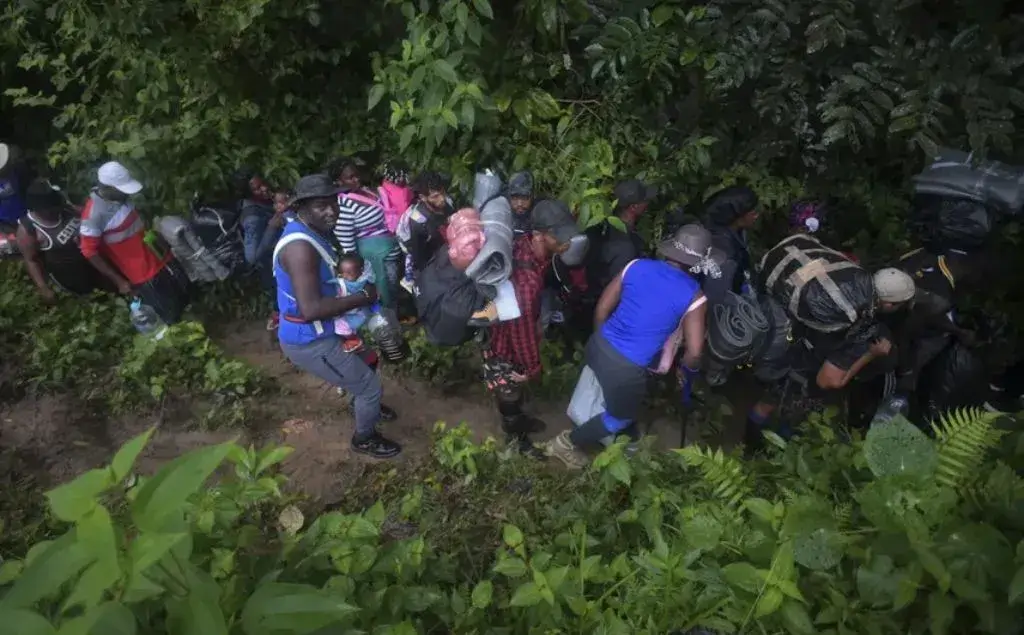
(447, 298)
(943, 222)
(219, 230)
(818, 286)
(772, 362)
(955, 379)
(954, 174)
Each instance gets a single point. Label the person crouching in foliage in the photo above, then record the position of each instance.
(305, 262)
(112, 239)
(421, 229)
(513, 356)
(643, 316)
(48, 239)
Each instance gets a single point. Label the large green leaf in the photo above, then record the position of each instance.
(170, 488)
(48, 571)
(296, 609)
(23, 622)
(71, 501)
(897, 448)
(124, 460)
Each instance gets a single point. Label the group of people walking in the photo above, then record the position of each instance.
(333, 249)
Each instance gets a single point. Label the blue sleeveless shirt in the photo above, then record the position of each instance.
(293, 328)
(655, 297)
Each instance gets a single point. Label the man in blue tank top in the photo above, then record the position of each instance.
(305, 263)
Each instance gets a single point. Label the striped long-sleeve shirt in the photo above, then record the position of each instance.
(361, 217)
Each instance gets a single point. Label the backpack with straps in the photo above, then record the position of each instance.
(818, 286)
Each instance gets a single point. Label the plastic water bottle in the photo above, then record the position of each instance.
(146, 321)
(895, 406)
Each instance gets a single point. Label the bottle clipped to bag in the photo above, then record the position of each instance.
(387, 333)
(895, 406)
(146, 321)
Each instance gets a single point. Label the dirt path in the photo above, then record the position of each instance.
(62, 440)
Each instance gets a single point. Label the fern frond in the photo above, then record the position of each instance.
(1001, 490)
(842, 514)
(724, 475)
(965, 436)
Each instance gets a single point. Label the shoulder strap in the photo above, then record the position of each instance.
(361, 197)
(626, 268)
(306, 238)
(944, 268)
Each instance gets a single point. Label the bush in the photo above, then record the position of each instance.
(896, 533)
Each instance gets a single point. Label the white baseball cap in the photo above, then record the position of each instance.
(5, 155)
(117, 176)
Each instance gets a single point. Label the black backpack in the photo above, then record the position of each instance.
(446, 300)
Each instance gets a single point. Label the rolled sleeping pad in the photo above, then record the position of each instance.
(493, 265)
(736, 330)
(187, 248)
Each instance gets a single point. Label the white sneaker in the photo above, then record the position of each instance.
(563, 449)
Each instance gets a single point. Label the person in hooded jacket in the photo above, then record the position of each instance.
(730, 212)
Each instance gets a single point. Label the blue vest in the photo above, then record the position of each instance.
(293, 329)
(655, 297)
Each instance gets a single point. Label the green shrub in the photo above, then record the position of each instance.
(895, 533)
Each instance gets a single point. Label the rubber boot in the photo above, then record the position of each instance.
(517, 427)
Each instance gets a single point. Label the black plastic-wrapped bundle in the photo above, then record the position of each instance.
(942, 222)
(958, 175)
(818, 286)
(956, 379)
(772, 361)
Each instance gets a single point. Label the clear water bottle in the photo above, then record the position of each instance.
(383, 325)
(895, 406)
(146, 321)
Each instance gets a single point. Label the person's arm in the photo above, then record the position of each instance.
(418, 244)
(694, 329)
(716, 288)
(302, 264)
(608, 301)
(270, 237)
(345, 229)
(90, 237)
(833, 377)
(29, 247)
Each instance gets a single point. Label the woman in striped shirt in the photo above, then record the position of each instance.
(361, 228)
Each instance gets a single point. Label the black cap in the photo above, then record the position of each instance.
(554, 217)
(634, 191)
(520, 184)
(41, 195)
(314, 186)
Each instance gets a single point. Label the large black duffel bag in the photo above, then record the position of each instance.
(446, 300)
(819, 287)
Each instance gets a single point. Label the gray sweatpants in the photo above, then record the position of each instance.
(326, 359)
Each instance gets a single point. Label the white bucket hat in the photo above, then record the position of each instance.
(893, 285)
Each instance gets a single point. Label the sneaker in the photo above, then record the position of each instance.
(522, 444)
(563, 449)
(274, 321)
(376, 446)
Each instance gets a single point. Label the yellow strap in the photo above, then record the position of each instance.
(944, 268)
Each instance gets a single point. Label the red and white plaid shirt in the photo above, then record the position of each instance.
(518, 341)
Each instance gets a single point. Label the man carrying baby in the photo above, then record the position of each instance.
(305, 265)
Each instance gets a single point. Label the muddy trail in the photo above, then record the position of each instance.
(60, 439)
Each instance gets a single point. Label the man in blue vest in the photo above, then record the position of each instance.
(305, 265)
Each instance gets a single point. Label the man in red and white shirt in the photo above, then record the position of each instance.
(112, 239)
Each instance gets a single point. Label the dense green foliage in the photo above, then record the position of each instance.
(824, 96)
(892, 534)
(87, 350)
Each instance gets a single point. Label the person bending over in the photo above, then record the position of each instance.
(643, 315)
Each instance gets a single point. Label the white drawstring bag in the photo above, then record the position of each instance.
(587, 401)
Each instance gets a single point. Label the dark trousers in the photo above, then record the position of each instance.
(167, 292)
(624, 386)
